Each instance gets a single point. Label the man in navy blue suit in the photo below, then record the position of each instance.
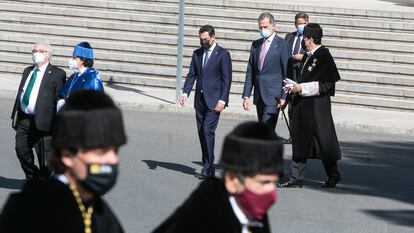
(266, 69)
(211, 67)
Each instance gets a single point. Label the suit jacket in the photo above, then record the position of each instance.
(214, 79)
(267, 82)
(45, 109)
(292, 64)
(207, 210)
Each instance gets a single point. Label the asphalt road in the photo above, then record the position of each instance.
(158, 163)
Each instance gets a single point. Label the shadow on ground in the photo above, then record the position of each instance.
(8, 183)
(152, 164)
(379, 169)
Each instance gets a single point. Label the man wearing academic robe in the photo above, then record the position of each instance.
(313, 130)
(237, 202)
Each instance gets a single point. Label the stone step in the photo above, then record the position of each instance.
(284, 18)
(195, 22)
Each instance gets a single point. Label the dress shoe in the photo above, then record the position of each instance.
(291, 184)
(287, 141)
(331, 182)
(204, 175)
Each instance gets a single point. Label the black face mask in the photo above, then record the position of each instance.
(100, 178)
(303, 44)
(204, 44)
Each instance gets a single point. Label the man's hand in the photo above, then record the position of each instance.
(296, 88)
(281, 103)
(219, 107)
(298, 57)
(246, 104)
(182, 100)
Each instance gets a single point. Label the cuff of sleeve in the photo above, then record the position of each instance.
(184, 94)
(310, 89)
(222, 102)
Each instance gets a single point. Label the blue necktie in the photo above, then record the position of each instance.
(297, 45)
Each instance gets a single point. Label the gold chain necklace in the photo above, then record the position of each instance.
(86, 213)
(304, 64)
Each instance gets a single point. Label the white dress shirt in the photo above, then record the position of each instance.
(244, 221)
(296, 41)
(30, 108)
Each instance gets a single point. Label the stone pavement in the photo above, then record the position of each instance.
(161, 99)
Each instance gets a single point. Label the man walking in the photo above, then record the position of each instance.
(34, 111)
(313, 130)
(211, 67)
(266, 70)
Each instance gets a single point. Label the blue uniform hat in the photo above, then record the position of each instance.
(83, 49)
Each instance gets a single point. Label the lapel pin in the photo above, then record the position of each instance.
(50, 72)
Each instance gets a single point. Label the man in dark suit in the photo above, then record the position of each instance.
(34, 111)
(211, 67)
(294, 40)
(265, 72)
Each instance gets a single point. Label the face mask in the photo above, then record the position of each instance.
(303, 44)
(256, 205)
(100, 178)
(300, 28)
(205, 44)
(265, 33)
(38, 58)
(73, 65)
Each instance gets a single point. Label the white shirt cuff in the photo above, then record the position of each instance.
(222, 102)
(310, 89)
(184, 94)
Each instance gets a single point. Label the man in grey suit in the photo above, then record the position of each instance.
(294, 40)
(34, 111)
(266, 69)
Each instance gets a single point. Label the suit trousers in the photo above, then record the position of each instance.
(267, 114)
(298, 166)
(27, 138)
(207, 121)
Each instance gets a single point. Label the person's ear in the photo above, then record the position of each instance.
(67, 158)
(232, 183)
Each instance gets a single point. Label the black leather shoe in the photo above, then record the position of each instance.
(331, 182)
(287, 141)
(204, 175)
(291, 184)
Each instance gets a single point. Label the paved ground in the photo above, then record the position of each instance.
(376, 195)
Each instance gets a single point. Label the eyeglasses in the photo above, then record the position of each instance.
(39, 51)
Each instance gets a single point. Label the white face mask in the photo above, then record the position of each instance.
(38, 58)
(73, 65)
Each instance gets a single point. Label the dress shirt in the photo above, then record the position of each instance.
(296, 41)
(244, 221)
(31, 107)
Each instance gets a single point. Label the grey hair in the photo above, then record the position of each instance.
(44, 42)
(266, 15)
(302, 15)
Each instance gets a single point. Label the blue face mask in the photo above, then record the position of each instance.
(300, 28)
(265, 33)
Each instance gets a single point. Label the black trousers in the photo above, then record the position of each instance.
(28, 137)
(298, 166)
(207, 121)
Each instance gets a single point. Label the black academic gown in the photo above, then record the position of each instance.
(207, 210)
(313, 130)
(50, 207)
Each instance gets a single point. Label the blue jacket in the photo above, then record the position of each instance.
(90, 80)
(214, 79)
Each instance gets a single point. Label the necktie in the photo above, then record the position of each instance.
(29, 87)
(263, 52)
(206, 57)
(297, 45)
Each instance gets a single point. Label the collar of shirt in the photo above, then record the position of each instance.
(62, 178)
(212, 47)
(310, 53)
(244, 221)
(270, 38)
(43, 68)
(82, 70)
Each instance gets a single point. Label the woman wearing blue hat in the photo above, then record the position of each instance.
(84, 76)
